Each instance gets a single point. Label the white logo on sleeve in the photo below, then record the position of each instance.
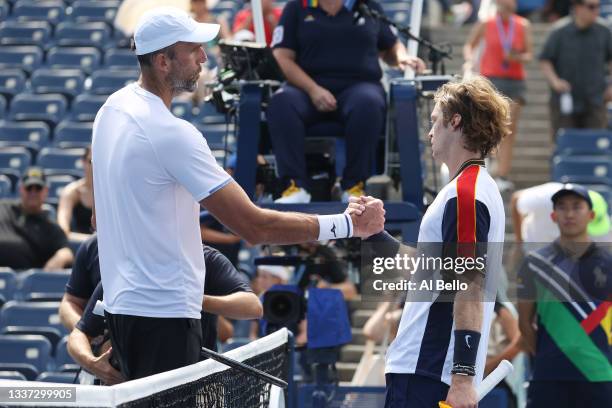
(467, 340)
(277, 36)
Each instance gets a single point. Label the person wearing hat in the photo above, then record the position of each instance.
(28, 239)
(152, 171)
(565, 312)
(531, 208)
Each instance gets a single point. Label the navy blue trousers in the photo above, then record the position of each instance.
(361, 109)
(413, 391)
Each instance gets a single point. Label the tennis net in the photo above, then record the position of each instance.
(204, 384)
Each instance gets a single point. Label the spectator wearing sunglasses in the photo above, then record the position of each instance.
(28, 238)
(575, 60)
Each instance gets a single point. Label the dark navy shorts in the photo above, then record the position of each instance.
(413, 391)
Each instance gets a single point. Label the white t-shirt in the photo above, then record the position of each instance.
(535, 205)
(151, 169)
(469, 206)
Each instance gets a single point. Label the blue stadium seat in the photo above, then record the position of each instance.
(63, 360)
(82, 34)
(25, 33)
(24, 57)
(29, 349)
(32, 135)
(215, 135)
(85, 58)
(12, 82)
(49, 108)
(12, 375)
(67, 82)
(107, 81)
(208, 114)
(69, 134)
(85, 107)
(584, 142)
(8, 283)
(56, 184)
(99, 10)
(50, 333)
(6, 191)
(35, 314)
(14, 161)
(38, 281)
(53, 377)
(27, 370)
(52, 11)
(583, 169)
(120, 58)
(61, 161)
(182, 109)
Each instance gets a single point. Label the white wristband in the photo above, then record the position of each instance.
(336, 226)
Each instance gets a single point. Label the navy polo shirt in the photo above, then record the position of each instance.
(222, 279)
(572, 296)
(334, 50)
(85, 271)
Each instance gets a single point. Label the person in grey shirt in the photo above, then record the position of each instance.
(573, 61)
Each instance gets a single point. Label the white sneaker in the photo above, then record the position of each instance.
(294, 195)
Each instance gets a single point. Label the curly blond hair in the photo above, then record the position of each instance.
(485, 113)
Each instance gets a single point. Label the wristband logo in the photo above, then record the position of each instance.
(467, 341)
(333, 229)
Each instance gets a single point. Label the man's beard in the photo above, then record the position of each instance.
(179, 85)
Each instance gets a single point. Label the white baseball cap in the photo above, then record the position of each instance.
(164, 26)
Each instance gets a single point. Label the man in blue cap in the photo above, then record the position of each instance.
(565, 291)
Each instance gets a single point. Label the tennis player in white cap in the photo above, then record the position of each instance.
(151, 173)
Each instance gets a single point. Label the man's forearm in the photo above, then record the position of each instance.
(239, 305)
(61, 259)
(80, 349)
(70, 313)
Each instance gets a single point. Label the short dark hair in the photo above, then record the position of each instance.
(146, 60)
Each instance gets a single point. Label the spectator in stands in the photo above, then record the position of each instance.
(555, 9)
(507, 47)
(201, 13)
(564, 327)
(328, 269)
(28, 239)
(333, 73)
(244, 19)
(226, 293)
(574, 60)
(268, 276)
(76, 200)
(531, 208)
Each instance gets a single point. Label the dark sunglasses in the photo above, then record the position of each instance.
(34, 188)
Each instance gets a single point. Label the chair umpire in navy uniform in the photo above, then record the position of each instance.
(330, 60)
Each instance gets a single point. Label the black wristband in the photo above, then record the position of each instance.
(466, 347)
(384, 242)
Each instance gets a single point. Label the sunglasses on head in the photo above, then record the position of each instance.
(34, 187)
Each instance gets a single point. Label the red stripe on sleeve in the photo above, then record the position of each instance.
(466, 210)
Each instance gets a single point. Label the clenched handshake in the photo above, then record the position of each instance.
(367, 214)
